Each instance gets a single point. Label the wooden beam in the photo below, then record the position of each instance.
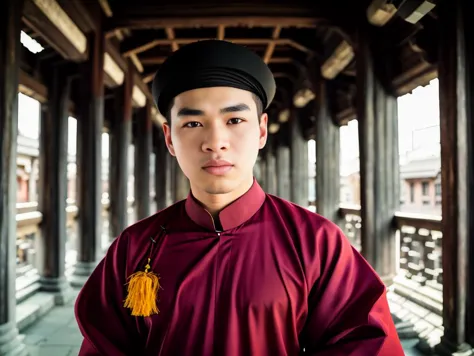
(80, 13)
(142, 86)
(419, 75)
(148, 77)
(214, 21)
(104, 4)
(32, 87)
(54, 25)
(136, 62)
(340, 58)
(170, 34)
(153, 60)
(221, 32)
(271, 45)
(130, 47)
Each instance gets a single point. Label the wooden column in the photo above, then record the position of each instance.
(161, 167)
(170, 179)
(142, 161)
(120, 140)
(457, 176)
(283, 162)
(10, 27)
(379, 164)
(327, 157)
(181, 183)
(299, 178)
(89, 158)
(53, 183)
(270, 169)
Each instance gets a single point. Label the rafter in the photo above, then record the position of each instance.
(271, 45)
(245, 13)
(154, 60)
(131, 48)
(170, 35)
(221, 32)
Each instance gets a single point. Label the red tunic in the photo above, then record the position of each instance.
(278, 280)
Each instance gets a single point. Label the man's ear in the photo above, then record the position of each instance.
(168, 141)
(263, 130)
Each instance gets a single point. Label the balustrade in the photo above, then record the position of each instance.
(351, 222)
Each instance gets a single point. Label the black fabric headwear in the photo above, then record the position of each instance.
(212, 63)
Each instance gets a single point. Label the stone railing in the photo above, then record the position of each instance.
(420, 273)
(420, 248)
(351, 223)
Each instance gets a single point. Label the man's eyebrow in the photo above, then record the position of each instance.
(235, 108)
(190, 112)
(196, 112)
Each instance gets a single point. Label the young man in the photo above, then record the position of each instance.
(230, 270)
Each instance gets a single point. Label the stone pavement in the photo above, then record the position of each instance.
(57, 334)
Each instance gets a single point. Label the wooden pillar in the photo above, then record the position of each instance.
(457, 160)
(10, 27)
(327, 157)
(170, 179)
(270, 169)
(259, 170)
(161, 167)
(53, 191)
(283, 162)
(142, 161)
(89, 158)
(299, 178)
(181, 183)
(379, 164)
(120, 140)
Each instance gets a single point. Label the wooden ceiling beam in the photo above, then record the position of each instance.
(221, 32)
(170, 34)
(157, 22)
(54, 25)
(32, 87)
(104, 4)
(271, 46)
(131, 48)
(156, 60)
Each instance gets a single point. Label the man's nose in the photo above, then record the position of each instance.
(216, 139)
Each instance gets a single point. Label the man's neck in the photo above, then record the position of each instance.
(215, 203)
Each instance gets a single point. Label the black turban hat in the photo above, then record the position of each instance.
(212, 63)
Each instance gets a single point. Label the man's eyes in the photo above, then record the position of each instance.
(233, 121)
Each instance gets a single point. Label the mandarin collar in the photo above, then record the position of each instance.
(233, 215)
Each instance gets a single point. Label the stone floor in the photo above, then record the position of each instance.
(57, 334)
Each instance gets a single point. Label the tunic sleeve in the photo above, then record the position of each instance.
(348, 312)
(107, 327)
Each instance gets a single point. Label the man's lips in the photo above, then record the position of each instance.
(217, 167)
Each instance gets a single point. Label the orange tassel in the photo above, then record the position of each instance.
(142, 290)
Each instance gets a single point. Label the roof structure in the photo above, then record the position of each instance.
(300, 40)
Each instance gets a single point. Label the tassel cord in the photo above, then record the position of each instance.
(143, 285)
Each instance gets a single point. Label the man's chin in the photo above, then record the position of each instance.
(219, 185)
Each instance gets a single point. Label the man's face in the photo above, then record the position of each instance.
(215, 135)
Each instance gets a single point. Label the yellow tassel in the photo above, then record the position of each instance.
(142, 290)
